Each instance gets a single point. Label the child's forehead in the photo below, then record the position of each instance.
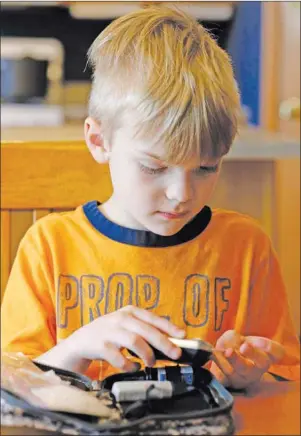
(158, 152)
(149, 148)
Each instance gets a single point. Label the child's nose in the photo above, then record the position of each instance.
(180, 190)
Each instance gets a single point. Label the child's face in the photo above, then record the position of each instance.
(151, 195)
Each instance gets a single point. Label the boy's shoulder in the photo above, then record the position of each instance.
(237, 224)
(232, 216)
(57, 222)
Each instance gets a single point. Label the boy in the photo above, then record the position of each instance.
(153, 261)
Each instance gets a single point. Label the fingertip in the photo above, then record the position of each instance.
(136, 366)
(180, 333)
(228, 352)
(176, 353)
(245, 348)
(150, 363)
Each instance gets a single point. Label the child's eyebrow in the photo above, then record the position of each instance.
(210, 166)
(154, 156)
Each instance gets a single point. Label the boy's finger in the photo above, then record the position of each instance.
(275, 350)
(229, 339)
(136, 344)
(222, 363)
(240, 364)
(114, 357)
(219, 375)
(153, 336)
(260, 358)
(237, 377)
(160, 323)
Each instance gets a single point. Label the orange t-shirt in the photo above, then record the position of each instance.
(218, 273)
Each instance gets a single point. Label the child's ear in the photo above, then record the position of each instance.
(98, 146)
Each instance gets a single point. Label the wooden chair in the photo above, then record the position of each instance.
(38, 178)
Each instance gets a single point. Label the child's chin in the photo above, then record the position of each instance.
(168, 233)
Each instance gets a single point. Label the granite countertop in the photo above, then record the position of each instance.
(251, 143)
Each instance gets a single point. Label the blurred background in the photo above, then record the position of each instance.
(45, 86)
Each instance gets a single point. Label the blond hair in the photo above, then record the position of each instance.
(161, 71)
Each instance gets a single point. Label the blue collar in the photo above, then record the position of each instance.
(143, 238)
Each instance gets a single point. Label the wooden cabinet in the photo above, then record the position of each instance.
(280, 82)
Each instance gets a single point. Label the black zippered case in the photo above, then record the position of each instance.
(206, 410)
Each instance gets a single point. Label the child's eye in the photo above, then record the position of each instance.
(150, 170)
(207, 170)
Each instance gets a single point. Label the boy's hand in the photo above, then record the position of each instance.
(129, 327)
(243, 361)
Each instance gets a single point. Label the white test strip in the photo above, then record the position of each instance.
(140, 390)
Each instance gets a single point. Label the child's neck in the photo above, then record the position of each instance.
(118, 216)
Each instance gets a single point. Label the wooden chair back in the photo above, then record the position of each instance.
(38, 178)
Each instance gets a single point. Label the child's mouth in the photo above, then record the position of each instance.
(172, 216)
